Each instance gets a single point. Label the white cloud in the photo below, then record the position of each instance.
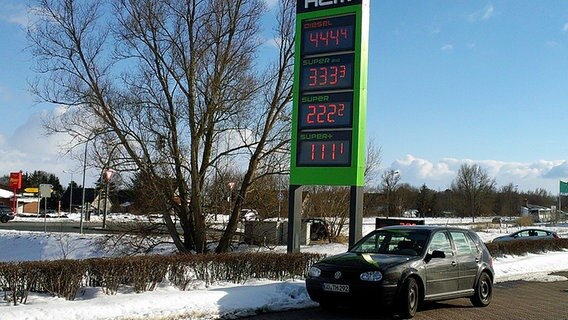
(270, 3)
(565, 28)
(447, 47)
(486, 13)
(15, 14)
(551, 43)
(273, 42)
(440, 174)
(27, 148)
(433, 30)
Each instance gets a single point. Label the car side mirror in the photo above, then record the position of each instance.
(434, 254)
(438, 254)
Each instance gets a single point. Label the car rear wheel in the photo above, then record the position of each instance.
(4, 219)
(410, 298)
(328, 306)
(483, 291)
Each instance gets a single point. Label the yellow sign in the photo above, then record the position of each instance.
(31, 190)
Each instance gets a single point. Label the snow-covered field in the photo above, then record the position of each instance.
(221, 300)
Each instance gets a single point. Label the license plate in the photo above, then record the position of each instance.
(332, 287)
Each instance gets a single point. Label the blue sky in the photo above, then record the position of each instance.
(450, 82)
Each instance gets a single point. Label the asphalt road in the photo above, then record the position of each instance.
(511, 301)
(54, 226)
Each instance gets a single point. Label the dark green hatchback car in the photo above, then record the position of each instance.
(403, 266)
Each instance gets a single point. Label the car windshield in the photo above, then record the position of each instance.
(396, 242)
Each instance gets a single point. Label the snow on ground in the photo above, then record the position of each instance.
(227, 301)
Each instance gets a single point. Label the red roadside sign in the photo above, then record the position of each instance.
(16, 180)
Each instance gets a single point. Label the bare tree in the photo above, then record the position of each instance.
(372, 161)
(426, 201)
(157, 84)
(389, 184)
(475, 186)
(508, 201)
(330, 203)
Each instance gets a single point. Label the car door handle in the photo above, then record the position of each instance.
(454, 263)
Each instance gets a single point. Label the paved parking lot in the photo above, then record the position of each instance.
(511, 300)
(518, 300)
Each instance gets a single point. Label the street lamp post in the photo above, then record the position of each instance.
(107, 175)
(83, 199)
(231, 186)
(70, 190)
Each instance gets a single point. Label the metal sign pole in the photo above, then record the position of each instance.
(294, 218)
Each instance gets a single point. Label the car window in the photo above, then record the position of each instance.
(371, 243)
(392, 242)
(523, 234)
(541, 233)
(441, 242)
(464, 245)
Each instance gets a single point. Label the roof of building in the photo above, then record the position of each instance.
(4, 193)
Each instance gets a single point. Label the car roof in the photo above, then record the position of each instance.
(422, 227)
(535, 229)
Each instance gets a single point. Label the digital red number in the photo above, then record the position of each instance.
(343, 32)
(333, 76)
(314, 39)
(342, 71)
(331, 114)
(334, 36)
(323, 151)
(324, 76)
(324, 37)
(313, 77)
(324, 113)
(321, 114)
(327, 37)
(311, 114)
(313, 152)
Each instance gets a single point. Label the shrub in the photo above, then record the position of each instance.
(525, 221)
(64, 278)
(520, 247)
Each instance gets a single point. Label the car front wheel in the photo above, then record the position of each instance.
(483, 291)
(410, 298)
(4, 219)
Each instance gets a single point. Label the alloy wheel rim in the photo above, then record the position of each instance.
(484, 290)
(412, 298)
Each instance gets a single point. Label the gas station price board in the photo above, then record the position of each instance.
(330, 92)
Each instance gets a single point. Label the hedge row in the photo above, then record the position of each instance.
(64, 278)
(520, 247)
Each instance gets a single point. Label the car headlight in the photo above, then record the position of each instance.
(314, 272)
(371, 276)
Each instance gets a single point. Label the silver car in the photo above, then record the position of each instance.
(528, 234)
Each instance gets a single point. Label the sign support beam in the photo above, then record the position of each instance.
(294, 218)
(355, 215)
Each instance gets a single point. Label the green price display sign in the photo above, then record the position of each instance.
(330, 93)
